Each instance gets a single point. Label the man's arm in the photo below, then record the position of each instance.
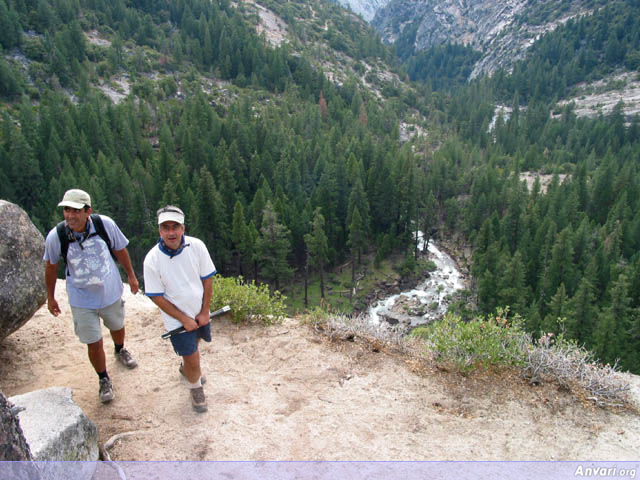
(170, 309)
(50, 278)
(125, 261)
(203, 317)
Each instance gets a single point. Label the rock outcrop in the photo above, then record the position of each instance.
(497, 29)
(58, 433)
(15, 456)
(365, 8)
(13, 445)
(22, 288)
(55, 427)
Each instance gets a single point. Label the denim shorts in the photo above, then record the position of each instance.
(86, 321)
(186, 343)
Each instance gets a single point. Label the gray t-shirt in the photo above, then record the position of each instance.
(93, 279)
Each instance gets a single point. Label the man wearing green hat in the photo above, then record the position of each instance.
(88, 244)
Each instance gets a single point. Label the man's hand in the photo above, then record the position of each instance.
(190, 325)
(133, 284)
(53, 307)
(203, 318)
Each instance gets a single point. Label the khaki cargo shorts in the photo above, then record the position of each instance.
(86, 321)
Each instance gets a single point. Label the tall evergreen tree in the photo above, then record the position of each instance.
(317, 247)
(274, 247)
(357, 240)
(239, 236)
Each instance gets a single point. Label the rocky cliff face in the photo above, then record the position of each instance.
(365, 8)
(502, 30)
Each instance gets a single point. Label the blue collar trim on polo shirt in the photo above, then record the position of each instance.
(169, 251)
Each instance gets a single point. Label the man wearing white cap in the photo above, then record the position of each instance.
(178, 277)
(86, 243)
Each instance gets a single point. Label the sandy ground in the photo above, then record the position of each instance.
(289, 393)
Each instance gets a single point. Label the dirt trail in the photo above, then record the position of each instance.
(288, 393)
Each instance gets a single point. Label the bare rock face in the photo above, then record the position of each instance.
(22, 288)
(13, 445)
(61, 439)
(365, 8)
(16, 461)
(56, 427)
(497, 29)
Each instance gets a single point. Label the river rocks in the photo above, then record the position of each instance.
(407, 312)
(386, 289)
(423, 303)
(22, 288)
(411, 306)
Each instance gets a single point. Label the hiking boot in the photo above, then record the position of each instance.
(198, 401)
(125, 358)
(203, 379)
(106, 390)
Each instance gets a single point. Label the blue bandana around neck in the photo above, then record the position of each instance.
(169, 251)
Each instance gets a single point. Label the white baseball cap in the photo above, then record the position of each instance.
(75, 199)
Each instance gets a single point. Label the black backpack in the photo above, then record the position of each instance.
(66, 235)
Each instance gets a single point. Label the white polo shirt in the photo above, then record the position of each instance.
(178, 278)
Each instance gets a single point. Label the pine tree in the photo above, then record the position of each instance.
(10, 29)
(25, 174)
(560, 269)
(428, 217)
(274, 247)
(512, 291)
(324, 111)
(558, 309)
(239, 236)
(210, 226)
(486, 288)
(357, 240)
(317, 247)
(610, 334)
(583, 312)
(252, 248)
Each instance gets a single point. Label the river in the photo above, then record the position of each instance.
(425, 303)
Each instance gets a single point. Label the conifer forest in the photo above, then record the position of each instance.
(281, 170)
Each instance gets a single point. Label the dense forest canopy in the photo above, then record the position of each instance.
(278, 168)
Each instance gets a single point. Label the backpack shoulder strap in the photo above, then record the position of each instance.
(63, 236)
(102, 232)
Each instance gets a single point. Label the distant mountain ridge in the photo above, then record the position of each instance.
(502, 30)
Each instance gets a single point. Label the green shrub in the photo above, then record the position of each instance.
(34, 50)
(316, 315)
(477, 343)
(247, 300)
(408, 267)
(429, 265)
